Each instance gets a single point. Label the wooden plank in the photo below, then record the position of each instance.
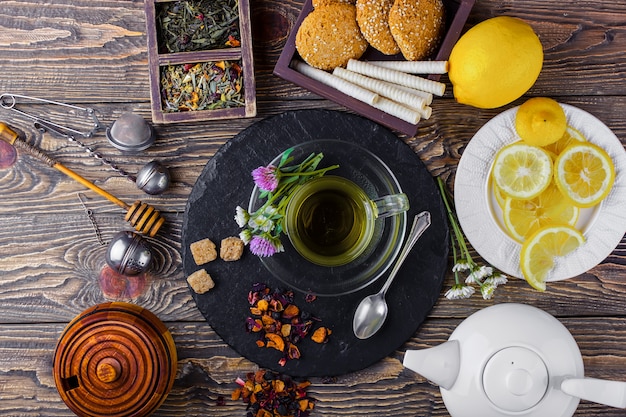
(207, 370)
(580, 45)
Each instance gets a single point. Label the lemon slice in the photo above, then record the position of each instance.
(522, 218)
(500, 196)
(584, 173)
(540, 121)
(522, 171)
(572, 135)
(540, 250)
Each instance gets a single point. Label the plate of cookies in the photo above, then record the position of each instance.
(366, 55)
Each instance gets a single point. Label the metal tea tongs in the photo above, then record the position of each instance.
(9, 101)
(129, 133)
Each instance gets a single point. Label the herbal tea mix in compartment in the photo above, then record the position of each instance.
(200, 55)
(200, 25)
(202, 86)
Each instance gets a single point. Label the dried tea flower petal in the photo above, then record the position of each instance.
(279, 323)
(269, 394)
(321, 335)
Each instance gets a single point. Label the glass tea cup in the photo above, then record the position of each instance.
(375, 179)
(330, 220)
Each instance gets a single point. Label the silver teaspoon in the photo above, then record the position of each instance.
(372, 311)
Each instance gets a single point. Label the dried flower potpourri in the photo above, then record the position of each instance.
(269, 394)
(202, 86)
(262, 228)
(486, 278)
(196, 25)
(279, 323)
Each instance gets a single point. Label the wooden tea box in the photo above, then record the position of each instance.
(200, 58)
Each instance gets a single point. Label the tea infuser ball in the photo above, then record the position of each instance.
(129, 253)
(153, 178)
(131, 133)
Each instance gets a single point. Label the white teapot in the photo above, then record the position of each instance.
(512, 360)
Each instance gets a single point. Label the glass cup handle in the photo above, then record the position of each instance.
(390, 205)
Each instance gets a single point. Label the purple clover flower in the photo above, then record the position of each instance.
(264, 245)
(266, 178)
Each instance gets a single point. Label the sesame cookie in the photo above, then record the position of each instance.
(330, 36)
(318, 3)
(373, 19)
(417, 26)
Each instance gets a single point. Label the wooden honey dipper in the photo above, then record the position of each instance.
(143, 217)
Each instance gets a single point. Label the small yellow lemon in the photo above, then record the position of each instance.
(522, 218)
(522, 171)
(540, 121)
(495, 62)
(584, 173)
(540, 250)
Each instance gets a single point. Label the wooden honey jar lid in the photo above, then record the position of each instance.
(115, 359)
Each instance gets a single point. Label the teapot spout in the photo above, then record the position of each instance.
(611, 393)
(439, 364)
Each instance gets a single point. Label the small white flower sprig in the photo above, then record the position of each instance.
(262, 228)
(486, 278)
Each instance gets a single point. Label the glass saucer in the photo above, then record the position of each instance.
(376, 179)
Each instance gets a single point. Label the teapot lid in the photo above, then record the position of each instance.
(515, 379)
(115, 359)
(512, 358)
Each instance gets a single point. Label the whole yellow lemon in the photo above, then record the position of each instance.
(495, 62)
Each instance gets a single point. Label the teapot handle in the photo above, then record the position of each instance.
(611, 393)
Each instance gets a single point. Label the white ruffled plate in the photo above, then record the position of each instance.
(480, 216)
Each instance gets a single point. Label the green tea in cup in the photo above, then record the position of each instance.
(330, 220)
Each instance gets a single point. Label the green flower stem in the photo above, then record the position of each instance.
(458, 234)
(308, 173)
(284, 189)
(456, 273)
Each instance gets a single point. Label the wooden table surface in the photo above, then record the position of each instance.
(93, 54)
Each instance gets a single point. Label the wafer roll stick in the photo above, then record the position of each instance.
(398, 110)
(342, 85)
(414, 67)
(428, 97)
(397, 77)
(141, 216)
(382, 88)
(426, 112)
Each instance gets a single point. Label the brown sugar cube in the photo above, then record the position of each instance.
(203, 251)
(231, 248)
(200, 281)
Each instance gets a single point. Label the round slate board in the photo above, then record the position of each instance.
(226, 183)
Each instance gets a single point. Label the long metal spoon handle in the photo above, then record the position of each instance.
(421, 222)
